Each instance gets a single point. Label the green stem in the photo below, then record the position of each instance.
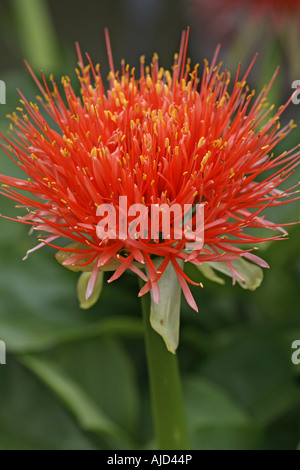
(165, 385)
(36, 33)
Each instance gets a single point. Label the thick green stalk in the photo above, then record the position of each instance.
(166, 392)
(36, 33)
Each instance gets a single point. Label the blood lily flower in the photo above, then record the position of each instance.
(161, 138)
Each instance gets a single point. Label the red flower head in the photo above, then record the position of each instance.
(159, 138)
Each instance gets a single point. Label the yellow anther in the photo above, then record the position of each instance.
(200, 142)
(94, 152)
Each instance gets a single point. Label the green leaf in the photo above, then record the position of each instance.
(216, 421)
(32, 418)
(291, 40)
(251, 273)
(106, 373)
(82, 284)
(271, 56)
(39, 309)
(89, 416)
(209, 273)
(255, 367)
(165, 316)
(117, 326)
(36, 33)
(244, 42)
(208, 404)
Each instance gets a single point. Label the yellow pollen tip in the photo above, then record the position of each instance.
(200, 142)
(94, 152)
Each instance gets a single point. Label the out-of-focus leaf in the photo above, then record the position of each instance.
(242, 48)
(89, 416)
(82, 284)
(270, 58)
(32, 418)
(216, 421)
(103, 369)
(37, 37)
(255, 367)
(279, 298)
(292, 38)
(115, 327)
(38, 305)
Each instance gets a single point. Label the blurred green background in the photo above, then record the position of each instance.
(77, 379)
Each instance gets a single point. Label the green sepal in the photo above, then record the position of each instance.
(82, 286)
(252, 274)
(63, 255)
(165, 316)
(210, 274)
